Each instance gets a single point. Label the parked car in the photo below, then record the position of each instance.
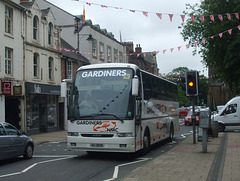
(183, 111)
(14, 142)
(188, 118)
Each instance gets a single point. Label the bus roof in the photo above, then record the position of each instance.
(109, 65)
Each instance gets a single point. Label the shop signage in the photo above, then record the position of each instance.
(6, 88)
(34, 88)
(17, 90)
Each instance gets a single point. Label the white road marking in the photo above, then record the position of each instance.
(116, 170)
(58, 158)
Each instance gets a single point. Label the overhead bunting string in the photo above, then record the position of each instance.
(170, 15)
(163, 51)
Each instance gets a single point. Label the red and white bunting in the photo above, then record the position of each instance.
(192, 17)
(204, 40)
(159, 15)
(203, 18)
(237, 15)
(229, 16)
(183, 17)
(230, 31)
(212, 17)
(220, 17)
(171, 17)
(145, 13)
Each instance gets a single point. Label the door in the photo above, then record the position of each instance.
(230, 116)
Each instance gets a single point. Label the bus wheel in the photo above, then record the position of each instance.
(146, 142)
(171, 133)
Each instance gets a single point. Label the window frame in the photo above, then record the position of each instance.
(115, 55)
(8, 61)
(101, 51)
(50, 69)
(109, 54)
(50, 33)
(36, 67)
(69, 69)
(8, 20)
(94, 48)
(35, 28)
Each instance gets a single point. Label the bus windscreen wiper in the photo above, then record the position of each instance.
(105, 114)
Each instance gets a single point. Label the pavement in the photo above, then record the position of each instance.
(184, 162)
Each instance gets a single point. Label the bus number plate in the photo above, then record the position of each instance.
(96, 145)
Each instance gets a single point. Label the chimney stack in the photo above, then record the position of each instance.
(138, 49)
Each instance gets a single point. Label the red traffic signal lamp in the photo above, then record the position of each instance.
(191, 83)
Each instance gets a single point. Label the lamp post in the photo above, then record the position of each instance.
(77, 30)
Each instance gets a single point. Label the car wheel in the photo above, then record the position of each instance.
(221, 127)
(28, 153)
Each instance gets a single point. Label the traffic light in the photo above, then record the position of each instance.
(191, 83)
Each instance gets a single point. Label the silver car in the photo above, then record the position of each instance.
(14, 143)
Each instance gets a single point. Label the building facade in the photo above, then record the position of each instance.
(11, 63)
(42, 68)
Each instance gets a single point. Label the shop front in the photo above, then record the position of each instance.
(42, 108)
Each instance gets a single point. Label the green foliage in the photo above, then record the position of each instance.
(220, 54)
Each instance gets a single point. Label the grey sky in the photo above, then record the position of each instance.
(151, 32)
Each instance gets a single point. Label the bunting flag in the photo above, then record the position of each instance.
(159, 15)
(230, 31)
(212, 17)
(192, 18)
(203, 18)
(237, 15)
(183, 17)
(171, 16)
(84, 18)
(145, 14)
(229, 16)
(220, 17)
(204, 40)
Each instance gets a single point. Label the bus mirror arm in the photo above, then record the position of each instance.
(138, 119)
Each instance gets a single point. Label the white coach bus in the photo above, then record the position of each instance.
(117, 107)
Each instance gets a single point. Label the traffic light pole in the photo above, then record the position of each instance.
(193, 120)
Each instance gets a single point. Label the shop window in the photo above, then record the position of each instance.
(51, 111)
(32, 112)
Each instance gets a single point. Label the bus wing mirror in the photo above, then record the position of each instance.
(135, 83)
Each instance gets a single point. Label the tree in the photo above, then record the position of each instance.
(221, 48)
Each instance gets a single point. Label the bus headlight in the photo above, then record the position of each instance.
(124, 134)
(73, 134)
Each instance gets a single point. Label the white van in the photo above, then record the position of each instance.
(229, 115)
